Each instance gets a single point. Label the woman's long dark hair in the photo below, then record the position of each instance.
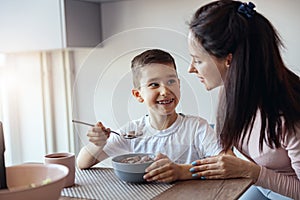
(257, 78)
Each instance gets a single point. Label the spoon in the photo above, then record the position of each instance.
(127, 136)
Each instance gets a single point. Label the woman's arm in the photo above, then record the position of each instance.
(285, 184)
(280, 183)
(225, 166)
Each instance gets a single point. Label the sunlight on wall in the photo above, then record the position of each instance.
(2, 59)
(7, 83)
(2, 63)
(29, 106)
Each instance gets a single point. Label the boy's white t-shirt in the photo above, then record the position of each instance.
(189, 138)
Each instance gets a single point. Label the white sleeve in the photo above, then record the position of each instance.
(116, 145)
(208, 140)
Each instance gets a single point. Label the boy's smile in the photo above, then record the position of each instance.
(165, 102)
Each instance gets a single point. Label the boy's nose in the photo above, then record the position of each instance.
(164, 90)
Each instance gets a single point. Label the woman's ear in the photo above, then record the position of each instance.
(228, 60)
(137, 94)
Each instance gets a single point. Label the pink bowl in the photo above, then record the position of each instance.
(26, 182)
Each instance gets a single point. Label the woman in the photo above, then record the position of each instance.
(259, 109)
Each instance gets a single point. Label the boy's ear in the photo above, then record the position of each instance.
(136, 93)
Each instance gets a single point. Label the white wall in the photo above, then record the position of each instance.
(103, 75)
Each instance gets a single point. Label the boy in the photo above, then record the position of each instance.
(178, 139)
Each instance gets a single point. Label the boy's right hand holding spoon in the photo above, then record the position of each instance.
(98, 134)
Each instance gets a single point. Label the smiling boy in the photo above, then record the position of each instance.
(178, 139)
(157, 85)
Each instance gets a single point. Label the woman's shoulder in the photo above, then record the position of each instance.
(292, 137)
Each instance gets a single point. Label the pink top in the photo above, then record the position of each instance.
(280, 168)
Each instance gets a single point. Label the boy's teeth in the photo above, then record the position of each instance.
(165, 101)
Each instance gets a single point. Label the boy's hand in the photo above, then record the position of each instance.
(162, 170)
(98, 134)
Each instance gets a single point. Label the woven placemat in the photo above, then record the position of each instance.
(101, 183)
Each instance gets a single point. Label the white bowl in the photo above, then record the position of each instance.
(34, 182)
(131, 172)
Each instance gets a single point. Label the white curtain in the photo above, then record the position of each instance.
(35, 105)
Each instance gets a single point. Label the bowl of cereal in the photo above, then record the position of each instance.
(34, 181)
(131, 167)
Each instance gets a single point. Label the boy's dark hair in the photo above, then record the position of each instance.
(148, 57)
(257, 78)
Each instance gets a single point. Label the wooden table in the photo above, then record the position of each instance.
(207, 189)
(202, 189)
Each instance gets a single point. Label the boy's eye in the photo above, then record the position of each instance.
(172, 81)
(153, 85)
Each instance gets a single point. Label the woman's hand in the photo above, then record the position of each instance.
(224, 166)
(98, 135)
(162, 170)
